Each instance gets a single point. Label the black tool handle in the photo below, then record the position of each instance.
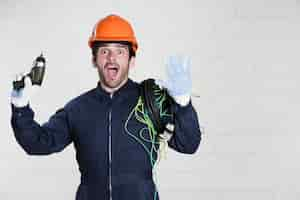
(17, 85)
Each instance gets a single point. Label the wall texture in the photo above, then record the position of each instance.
(244, 67)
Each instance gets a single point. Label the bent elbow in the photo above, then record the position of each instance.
(34, 151)
(192, 149)
(194, 146)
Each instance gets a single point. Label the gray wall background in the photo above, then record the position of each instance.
(244, 67)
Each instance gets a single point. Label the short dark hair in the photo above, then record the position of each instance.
(97, 44)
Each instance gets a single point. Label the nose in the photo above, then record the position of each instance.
(111, 56)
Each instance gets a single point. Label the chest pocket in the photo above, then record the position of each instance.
(90, 128)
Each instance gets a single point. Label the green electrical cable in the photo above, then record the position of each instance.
(155, 138)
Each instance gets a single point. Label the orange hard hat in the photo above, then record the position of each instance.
(113, 28)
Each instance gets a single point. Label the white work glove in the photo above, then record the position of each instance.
(21, 98)
(178, 83)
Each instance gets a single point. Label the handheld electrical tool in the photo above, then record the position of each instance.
(36, 74)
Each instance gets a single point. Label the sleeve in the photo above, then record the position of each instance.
(35, 139)
(187, 135)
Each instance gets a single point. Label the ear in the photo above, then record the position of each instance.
(132, 62)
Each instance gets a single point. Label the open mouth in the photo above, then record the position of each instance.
(112, 71)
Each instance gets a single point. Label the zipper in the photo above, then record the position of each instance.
(110, 151)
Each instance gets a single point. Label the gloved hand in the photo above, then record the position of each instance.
(178, 83)
(20, 98)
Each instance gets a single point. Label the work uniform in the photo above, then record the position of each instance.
(112, 163)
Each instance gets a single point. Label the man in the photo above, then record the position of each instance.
(113, 165)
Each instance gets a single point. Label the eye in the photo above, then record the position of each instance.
(120, 51)
(103, 51)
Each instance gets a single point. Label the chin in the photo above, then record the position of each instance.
(115, 83)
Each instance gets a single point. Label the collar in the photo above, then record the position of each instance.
(129, 87)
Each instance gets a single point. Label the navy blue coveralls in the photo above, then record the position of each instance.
(113, 165)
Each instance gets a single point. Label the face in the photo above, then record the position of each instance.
(112, 62)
